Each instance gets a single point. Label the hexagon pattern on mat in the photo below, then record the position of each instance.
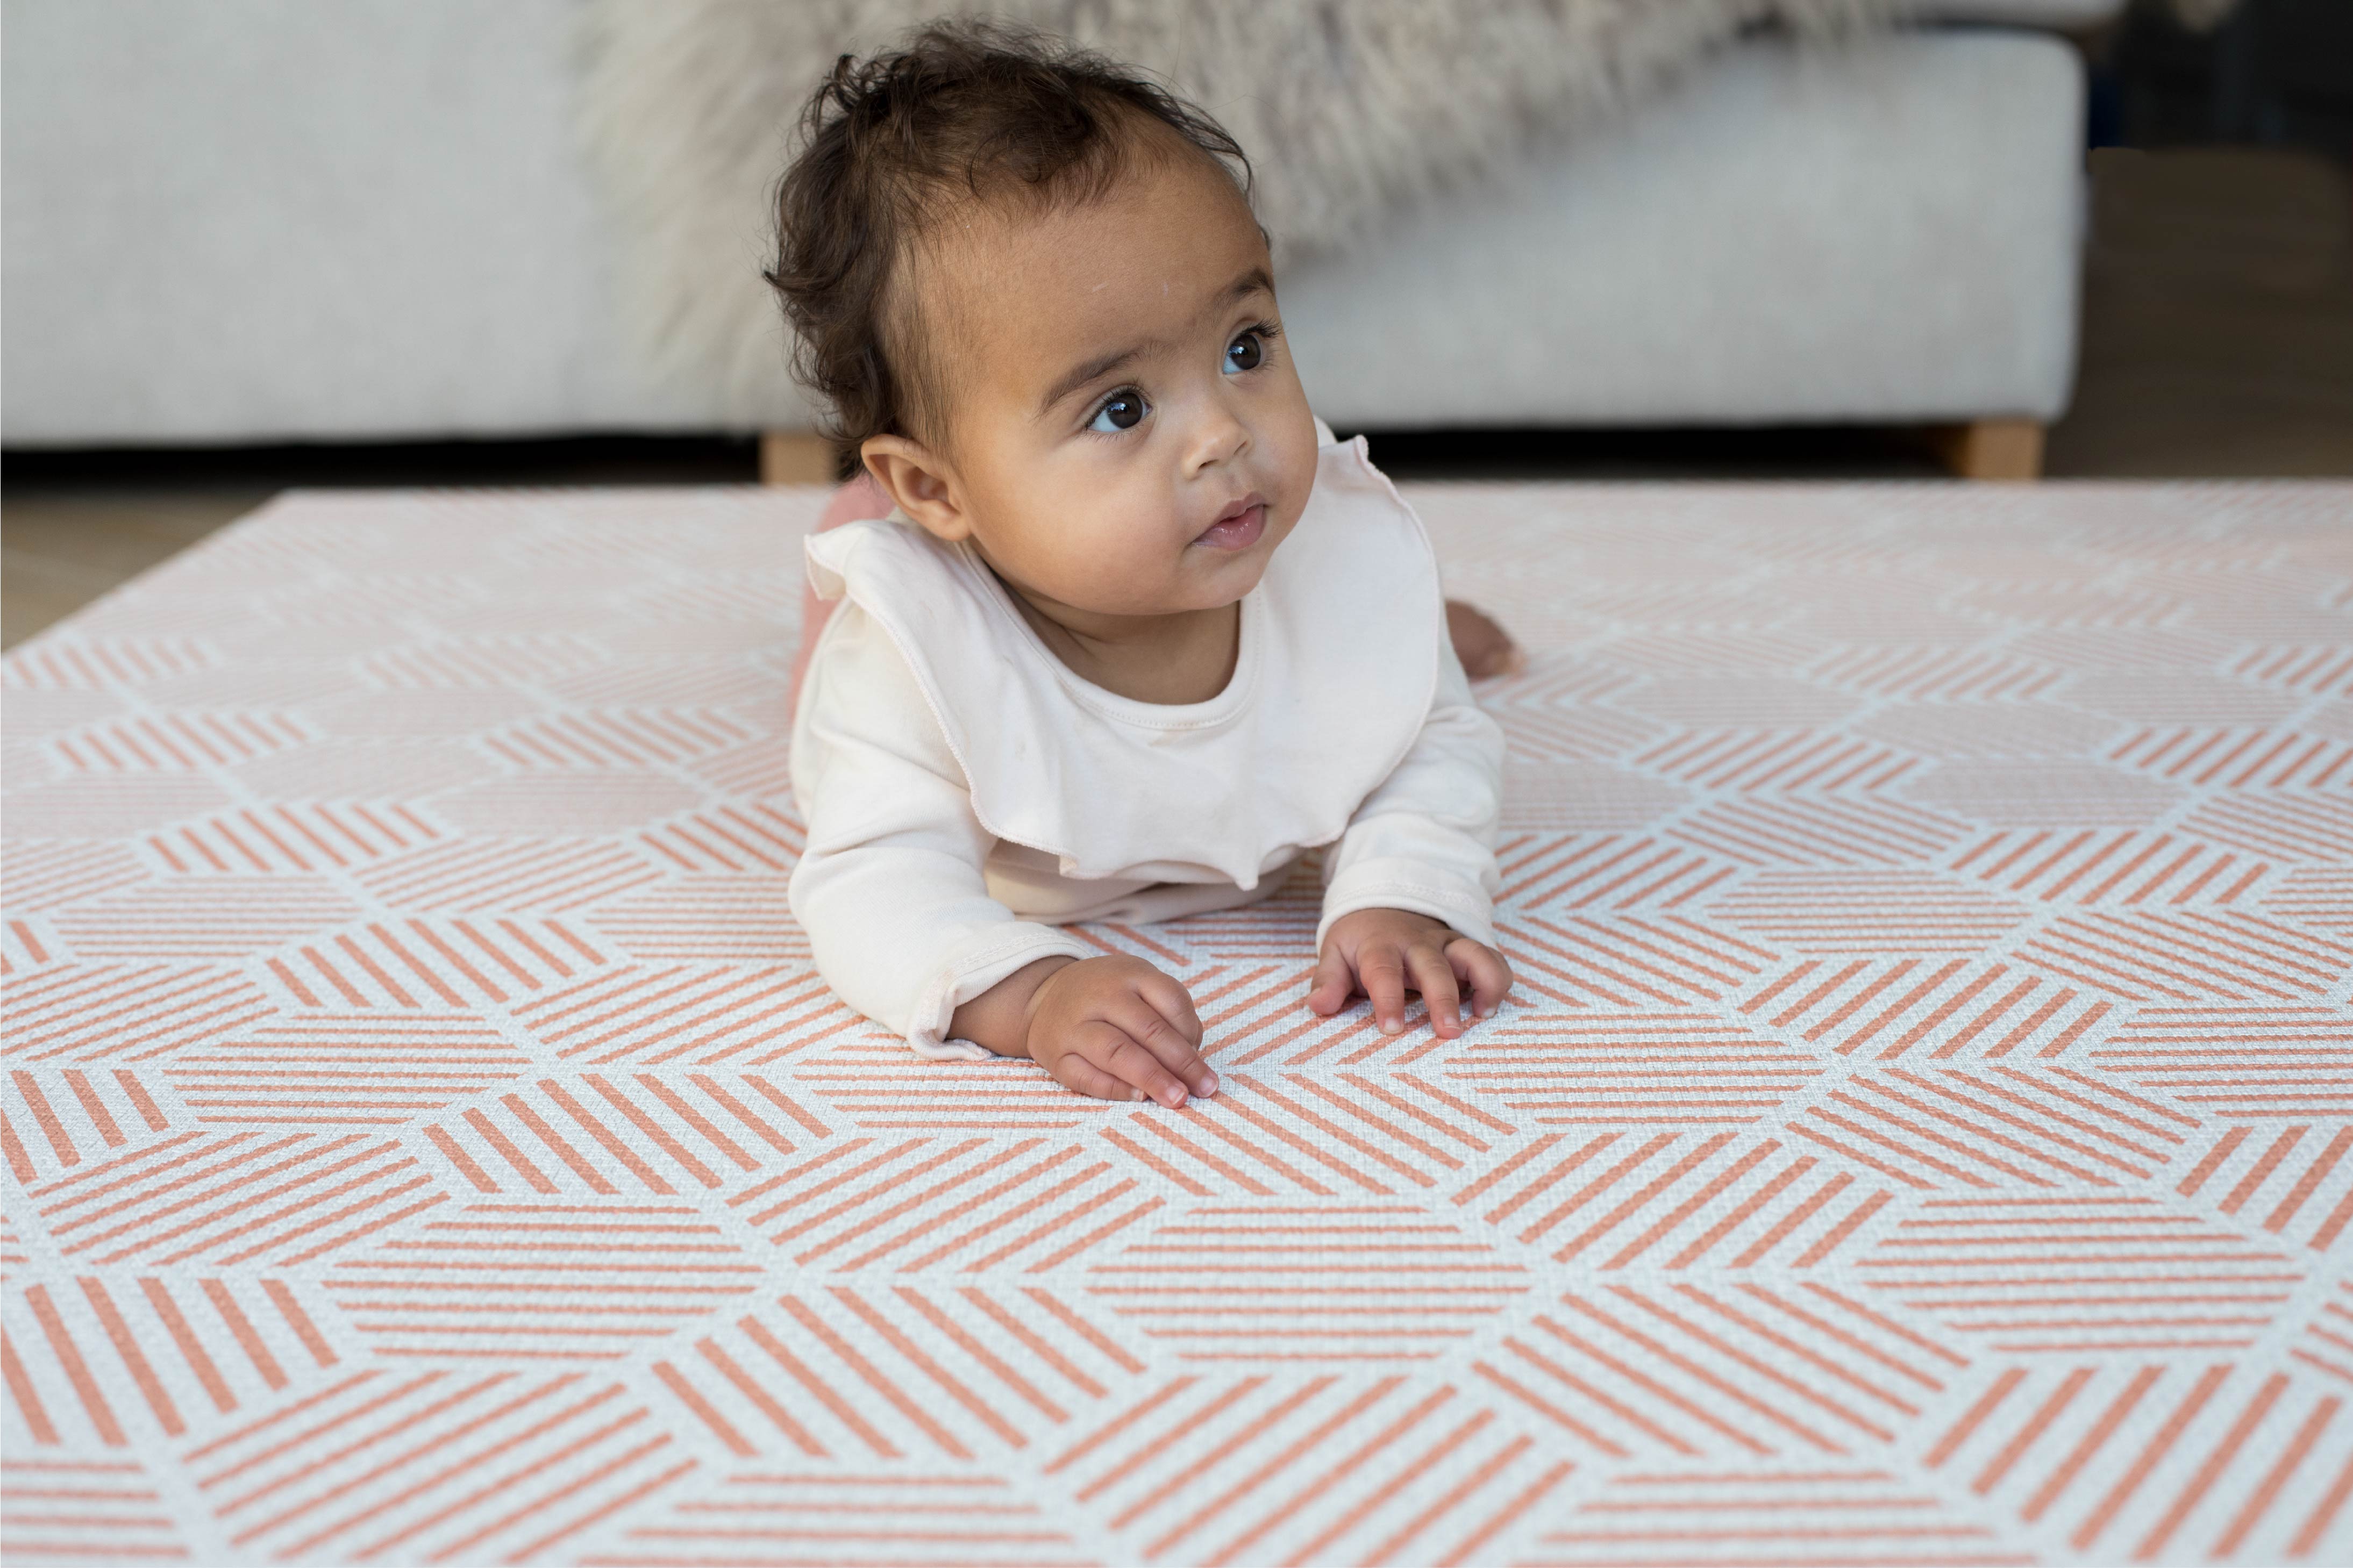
(1923, 1130)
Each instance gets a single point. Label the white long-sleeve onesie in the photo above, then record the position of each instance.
(967, 795)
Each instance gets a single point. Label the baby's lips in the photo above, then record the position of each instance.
(1233, 512)
(1236, 508)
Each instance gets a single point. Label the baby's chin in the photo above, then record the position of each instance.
(1196, 582)
(1183, 597)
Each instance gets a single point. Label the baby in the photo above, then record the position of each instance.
(1138, 633)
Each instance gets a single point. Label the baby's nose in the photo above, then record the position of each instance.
(1219, 438)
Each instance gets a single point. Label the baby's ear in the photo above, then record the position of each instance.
(915, 478)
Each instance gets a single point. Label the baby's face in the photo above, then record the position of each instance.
(1128, 435)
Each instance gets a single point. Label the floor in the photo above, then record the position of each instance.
(2218, 340)
(1920, 1132)
(2218, 319)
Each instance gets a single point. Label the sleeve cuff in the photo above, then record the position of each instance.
(970, 968)
(1400, 884)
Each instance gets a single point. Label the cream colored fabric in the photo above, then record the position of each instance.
(967, 794)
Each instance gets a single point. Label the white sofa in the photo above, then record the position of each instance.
(266, 220)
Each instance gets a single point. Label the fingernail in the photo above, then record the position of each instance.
(1210, 1084)
(1391, 1025)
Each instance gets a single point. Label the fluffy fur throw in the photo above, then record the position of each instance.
(1346, 107)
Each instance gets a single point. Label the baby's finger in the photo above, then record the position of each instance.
(1155, 1034)
(1433, 976)
(1174, 1004)
(1484, 970)
(1380, 970)
(1328, 993)
(1117, 1053)
(1076, 1072)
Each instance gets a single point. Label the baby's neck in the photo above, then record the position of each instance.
(1184, 656)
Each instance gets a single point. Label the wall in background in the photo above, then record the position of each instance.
(2275, 73)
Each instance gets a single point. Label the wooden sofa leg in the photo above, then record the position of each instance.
(1991, 448)
(794, 457)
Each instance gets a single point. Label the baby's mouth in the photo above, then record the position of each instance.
(1238, 527)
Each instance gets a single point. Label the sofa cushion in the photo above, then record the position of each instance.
(1881, 233)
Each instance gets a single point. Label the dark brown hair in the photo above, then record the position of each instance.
(962, 113)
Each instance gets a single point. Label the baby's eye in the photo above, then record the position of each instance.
(1122, 410)
(1245, 352)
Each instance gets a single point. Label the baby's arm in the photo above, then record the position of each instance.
(1409, 902)
(891, 891)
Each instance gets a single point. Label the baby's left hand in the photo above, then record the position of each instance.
(1385, 953)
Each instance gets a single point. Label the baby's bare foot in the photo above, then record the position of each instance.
(1485, 648)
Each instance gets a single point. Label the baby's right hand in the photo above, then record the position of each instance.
(1117, 1028)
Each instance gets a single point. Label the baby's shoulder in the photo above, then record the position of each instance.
(881, 563)
(902, 610)
(926, 594)
(863, 707)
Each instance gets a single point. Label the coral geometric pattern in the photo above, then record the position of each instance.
(1922, 1131)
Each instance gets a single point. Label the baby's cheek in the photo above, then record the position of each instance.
(1299, 455)
(1130, 541)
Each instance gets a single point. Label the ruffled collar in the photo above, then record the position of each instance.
(1334, 677)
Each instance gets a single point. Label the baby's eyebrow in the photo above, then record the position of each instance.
(1254, 282)
(1102, 365)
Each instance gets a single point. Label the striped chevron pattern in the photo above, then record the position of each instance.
(1922, 1131)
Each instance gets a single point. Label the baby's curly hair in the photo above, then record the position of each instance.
(962, 112)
